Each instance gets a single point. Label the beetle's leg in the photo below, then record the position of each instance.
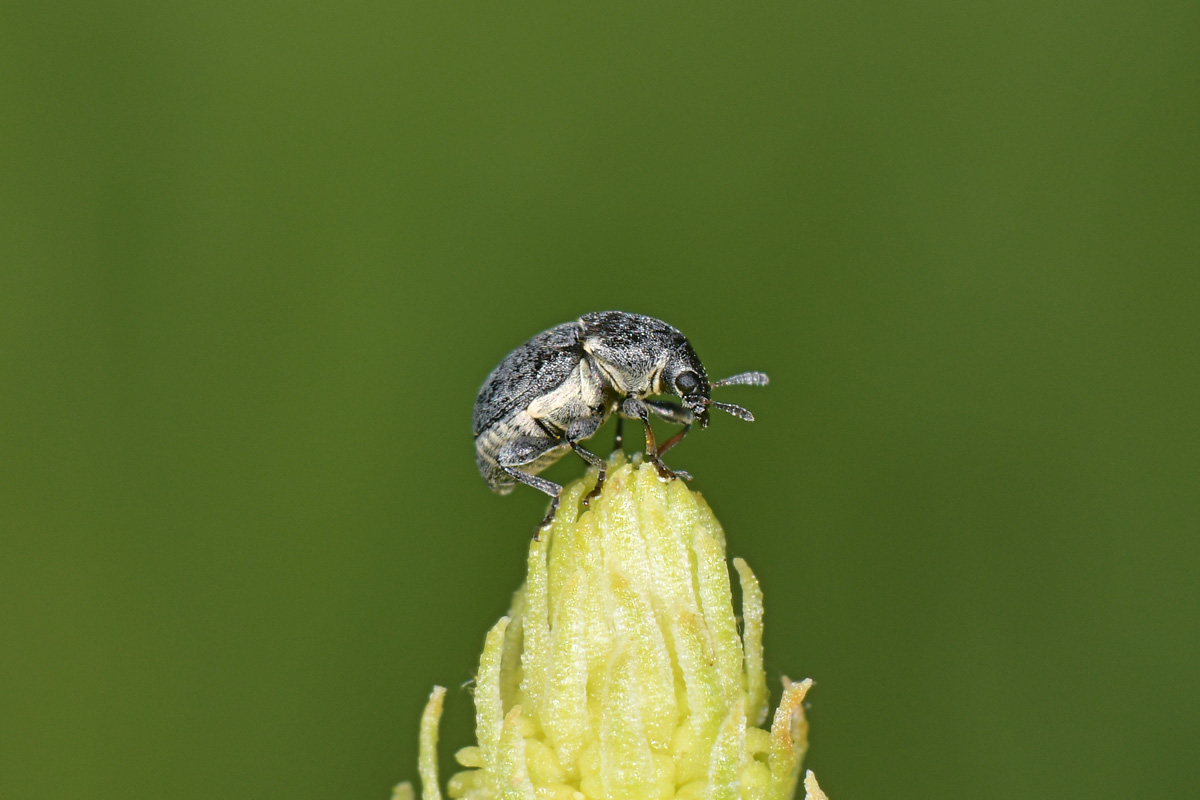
(595, 461)
(549, 487)
(619, 440)
(671, 412)
(526, 451)
(637, 409)
(674, 440)
(581, 428)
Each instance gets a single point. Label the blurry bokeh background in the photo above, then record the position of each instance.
(255, 260)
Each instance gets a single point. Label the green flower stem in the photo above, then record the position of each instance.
(620, 673)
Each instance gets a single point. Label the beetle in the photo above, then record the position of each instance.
(557, 389)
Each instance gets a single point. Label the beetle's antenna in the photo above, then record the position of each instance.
(744, 379)
(730, 408)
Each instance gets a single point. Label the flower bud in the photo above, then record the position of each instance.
(620, 672)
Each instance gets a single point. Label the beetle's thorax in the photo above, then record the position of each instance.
(623, 378)
(629, 350)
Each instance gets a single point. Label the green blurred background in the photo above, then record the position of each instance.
(255, 262)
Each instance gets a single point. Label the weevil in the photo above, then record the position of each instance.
(557, 389)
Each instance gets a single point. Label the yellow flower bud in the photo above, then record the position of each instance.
(620, 673)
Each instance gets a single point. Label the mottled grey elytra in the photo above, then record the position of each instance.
(558, 388)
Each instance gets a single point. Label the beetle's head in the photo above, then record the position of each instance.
(684, 377)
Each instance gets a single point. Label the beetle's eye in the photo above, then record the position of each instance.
(687, 382)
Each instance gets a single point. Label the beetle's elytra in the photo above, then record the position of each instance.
(558, 388)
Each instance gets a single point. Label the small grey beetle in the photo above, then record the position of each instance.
(558, 388)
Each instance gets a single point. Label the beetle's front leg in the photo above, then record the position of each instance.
(671, 412)
(635, 408)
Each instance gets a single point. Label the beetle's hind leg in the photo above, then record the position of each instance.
(541, 484)
(527, 451)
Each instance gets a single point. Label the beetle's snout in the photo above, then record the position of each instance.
(697, 404)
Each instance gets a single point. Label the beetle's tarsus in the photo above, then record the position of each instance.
(595, 492)
(548, 521)
(665, 472)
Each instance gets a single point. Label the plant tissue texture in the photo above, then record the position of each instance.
(620, 673)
